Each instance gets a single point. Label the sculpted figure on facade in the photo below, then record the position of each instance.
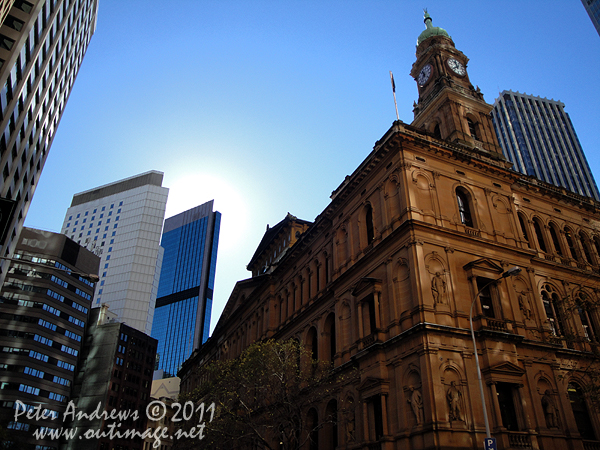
(416, 403)
(453, 396)
(524, 305)
(550, 411)
(438, 288)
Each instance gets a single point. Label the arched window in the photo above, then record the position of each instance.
(312, 343)
(537, 227)
(551, 300)
(555, 240)
(597, 245)
(571, 244)
(369, 224)
(586, 314)
(436, 131)
(330, 344)
(524, 233)
(464, 207)
(472, 129)
(585, 245)
(580, 411)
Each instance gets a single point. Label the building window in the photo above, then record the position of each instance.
(375, 405)
(312, 343)
(587, 315)
(369, 224)
(537, 227)
(585, 245)
(485, 297)
(571, 243)
(551, 301)
(508, 399)
(524, 233)
(580, 411)
(472, 129)
(330, 344)
(555, 240)
(312, 427)
(464, 207)
(369, 311)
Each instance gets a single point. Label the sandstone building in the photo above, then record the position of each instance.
(384, 279)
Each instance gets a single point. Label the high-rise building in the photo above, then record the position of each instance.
(121, 222)
(44, 305)
(185, 292)
(432, 225)
(593, 9)
(537, 136)
(42, 44)
(115, 374)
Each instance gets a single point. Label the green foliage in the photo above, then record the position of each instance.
(262, 397)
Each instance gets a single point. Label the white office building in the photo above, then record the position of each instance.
(122, 223)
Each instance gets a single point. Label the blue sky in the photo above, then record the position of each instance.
(265, 106)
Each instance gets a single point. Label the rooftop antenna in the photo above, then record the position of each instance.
(394, 91)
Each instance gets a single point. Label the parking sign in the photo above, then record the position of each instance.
(489, 443)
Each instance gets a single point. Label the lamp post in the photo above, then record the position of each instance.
(509, 273)
(91, 277)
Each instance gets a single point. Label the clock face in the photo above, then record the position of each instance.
(457, 67)
(424, 75)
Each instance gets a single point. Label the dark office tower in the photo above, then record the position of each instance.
(185, 291)
(44, 307)
(537, 136)
(593, 9)
(42, 44)
(115, 373)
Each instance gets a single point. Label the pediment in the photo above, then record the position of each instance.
(242, 290)
(373, 386)
(504, 371)
(484, 264)
(365, 284)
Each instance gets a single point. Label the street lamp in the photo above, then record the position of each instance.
(91, 277)
(509, 273)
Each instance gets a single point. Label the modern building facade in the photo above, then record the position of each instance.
(537, 136)
(42, 45)
(185, 292)
(115, 373)
(122, 222)
(5, 6)
(383, 280)
(593, 9)
(44, 305)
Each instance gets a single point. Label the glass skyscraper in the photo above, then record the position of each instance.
(537, 136)
(185, 291)
(593, 9)
(42, 45)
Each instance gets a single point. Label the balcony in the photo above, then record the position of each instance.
(494, 325)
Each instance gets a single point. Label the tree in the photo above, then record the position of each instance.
(263, 398)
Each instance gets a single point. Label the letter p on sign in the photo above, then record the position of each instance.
(489, 444)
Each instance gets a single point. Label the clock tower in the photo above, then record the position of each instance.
(449, 106)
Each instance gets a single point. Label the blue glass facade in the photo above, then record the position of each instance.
(593, 9)
(537, 136)
(184, 302)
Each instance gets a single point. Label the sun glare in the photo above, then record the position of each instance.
(189, 190)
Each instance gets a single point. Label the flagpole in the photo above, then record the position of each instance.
(394, 91)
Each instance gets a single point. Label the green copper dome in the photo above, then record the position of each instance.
(431, 30)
